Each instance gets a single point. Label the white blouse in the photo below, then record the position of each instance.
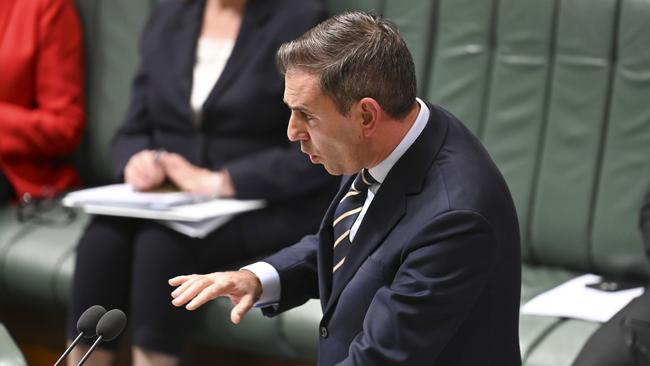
(211, 57)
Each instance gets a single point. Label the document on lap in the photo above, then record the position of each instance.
(125, 195)
(190, 214)
(578, 299)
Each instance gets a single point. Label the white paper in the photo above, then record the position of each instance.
(199, 229)
(125, 195)
(573, 299)
(193, 212)
(194, 219)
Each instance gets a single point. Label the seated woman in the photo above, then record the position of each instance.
(209, 96)
(41, 96)
(625, 339)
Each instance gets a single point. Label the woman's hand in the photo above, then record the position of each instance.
(143, 171)
(194, 179)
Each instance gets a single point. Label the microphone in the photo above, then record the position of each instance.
(108, 328)
(86, 325)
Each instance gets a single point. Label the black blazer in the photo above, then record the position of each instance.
(433, 275)
(244, 121)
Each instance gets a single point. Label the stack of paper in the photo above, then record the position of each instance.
(574, 299)
(186, 213)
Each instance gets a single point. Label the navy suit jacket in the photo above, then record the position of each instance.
(244, 121)
(433, 274)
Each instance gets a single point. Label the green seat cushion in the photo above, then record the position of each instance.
(534, 329)
(255, 333)
(33, 260)
(562, 343)
(9, 231)
(300, 327)
(10, 355)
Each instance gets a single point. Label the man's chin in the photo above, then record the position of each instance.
(330, 170)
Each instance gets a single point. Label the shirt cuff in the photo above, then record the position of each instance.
(270, 279)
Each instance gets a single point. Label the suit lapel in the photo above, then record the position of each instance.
(256, 14)
(182, 49)
(384, 212)
(388, 206)
(185, 39)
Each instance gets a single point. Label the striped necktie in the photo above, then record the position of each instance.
(346, 214)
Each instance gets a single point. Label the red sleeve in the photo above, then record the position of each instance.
(55, 125)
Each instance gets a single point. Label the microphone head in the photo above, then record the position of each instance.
(87, 323)
(111, 324)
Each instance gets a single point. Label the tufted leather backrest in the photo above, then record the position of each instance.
(112, 32)
(558, 91)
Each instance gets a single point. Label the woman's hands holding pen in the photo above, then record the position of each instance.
(143, 172)
(194, 179)
(149, 168)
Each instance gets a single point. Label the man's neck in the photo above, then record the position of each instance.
(393, 134)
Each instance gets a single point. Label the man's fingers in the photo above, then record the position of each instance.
(243, 306)
(179, 280)
(206, 294)
(183, 286)
(196, 290)
(193, 288)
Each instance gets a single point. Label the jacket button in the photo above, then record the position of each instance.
(323, 332)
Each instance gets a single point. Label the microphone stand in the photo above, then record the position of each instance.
(67, 351)
(92, 348)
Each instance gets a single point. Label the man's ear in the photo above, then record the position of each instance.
(370, 112)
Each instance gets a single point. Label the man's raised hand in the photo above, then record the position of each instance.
(242, 287)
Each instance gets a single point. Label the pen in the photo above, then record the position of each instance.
(157, 154)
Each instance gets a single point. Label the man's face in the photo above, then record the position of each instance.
(327, 136)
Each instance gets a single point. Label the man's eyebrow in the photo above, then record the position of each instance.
(299, 108)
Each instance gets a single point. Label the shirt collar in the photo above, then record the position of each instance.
(380, 171)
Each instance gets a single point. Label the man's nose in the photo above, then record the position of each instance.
(295, 132)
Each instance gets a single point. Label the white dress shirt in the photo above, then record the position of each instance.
(269, 276)
(211, 57)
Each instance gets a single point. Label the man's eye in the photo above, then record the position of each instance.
(307, 117)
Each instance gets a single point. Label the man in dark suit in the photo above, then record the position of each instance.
(208, 94)
(417, 259)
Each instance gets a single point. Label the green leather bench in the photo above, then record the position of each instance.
(557, 90)
(10, 355)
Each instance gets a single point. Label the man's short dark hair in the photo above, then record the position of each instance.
(356, 55)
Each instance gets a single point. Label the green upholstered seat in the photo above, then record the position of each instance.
(10, 355)
(556, 89)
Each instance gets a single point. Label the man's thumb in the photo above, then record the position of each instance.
(244, 305)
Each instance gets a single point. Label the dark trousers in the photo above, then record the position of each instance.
(623, 341)
(125, 263)
(6, 189)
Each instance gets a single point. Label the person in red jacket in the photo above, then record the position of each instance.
(41, 96)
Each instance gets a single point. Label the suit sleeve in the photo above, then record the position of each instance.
(298, 272)
(442, 275)
(135, 134)
(55, 126)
